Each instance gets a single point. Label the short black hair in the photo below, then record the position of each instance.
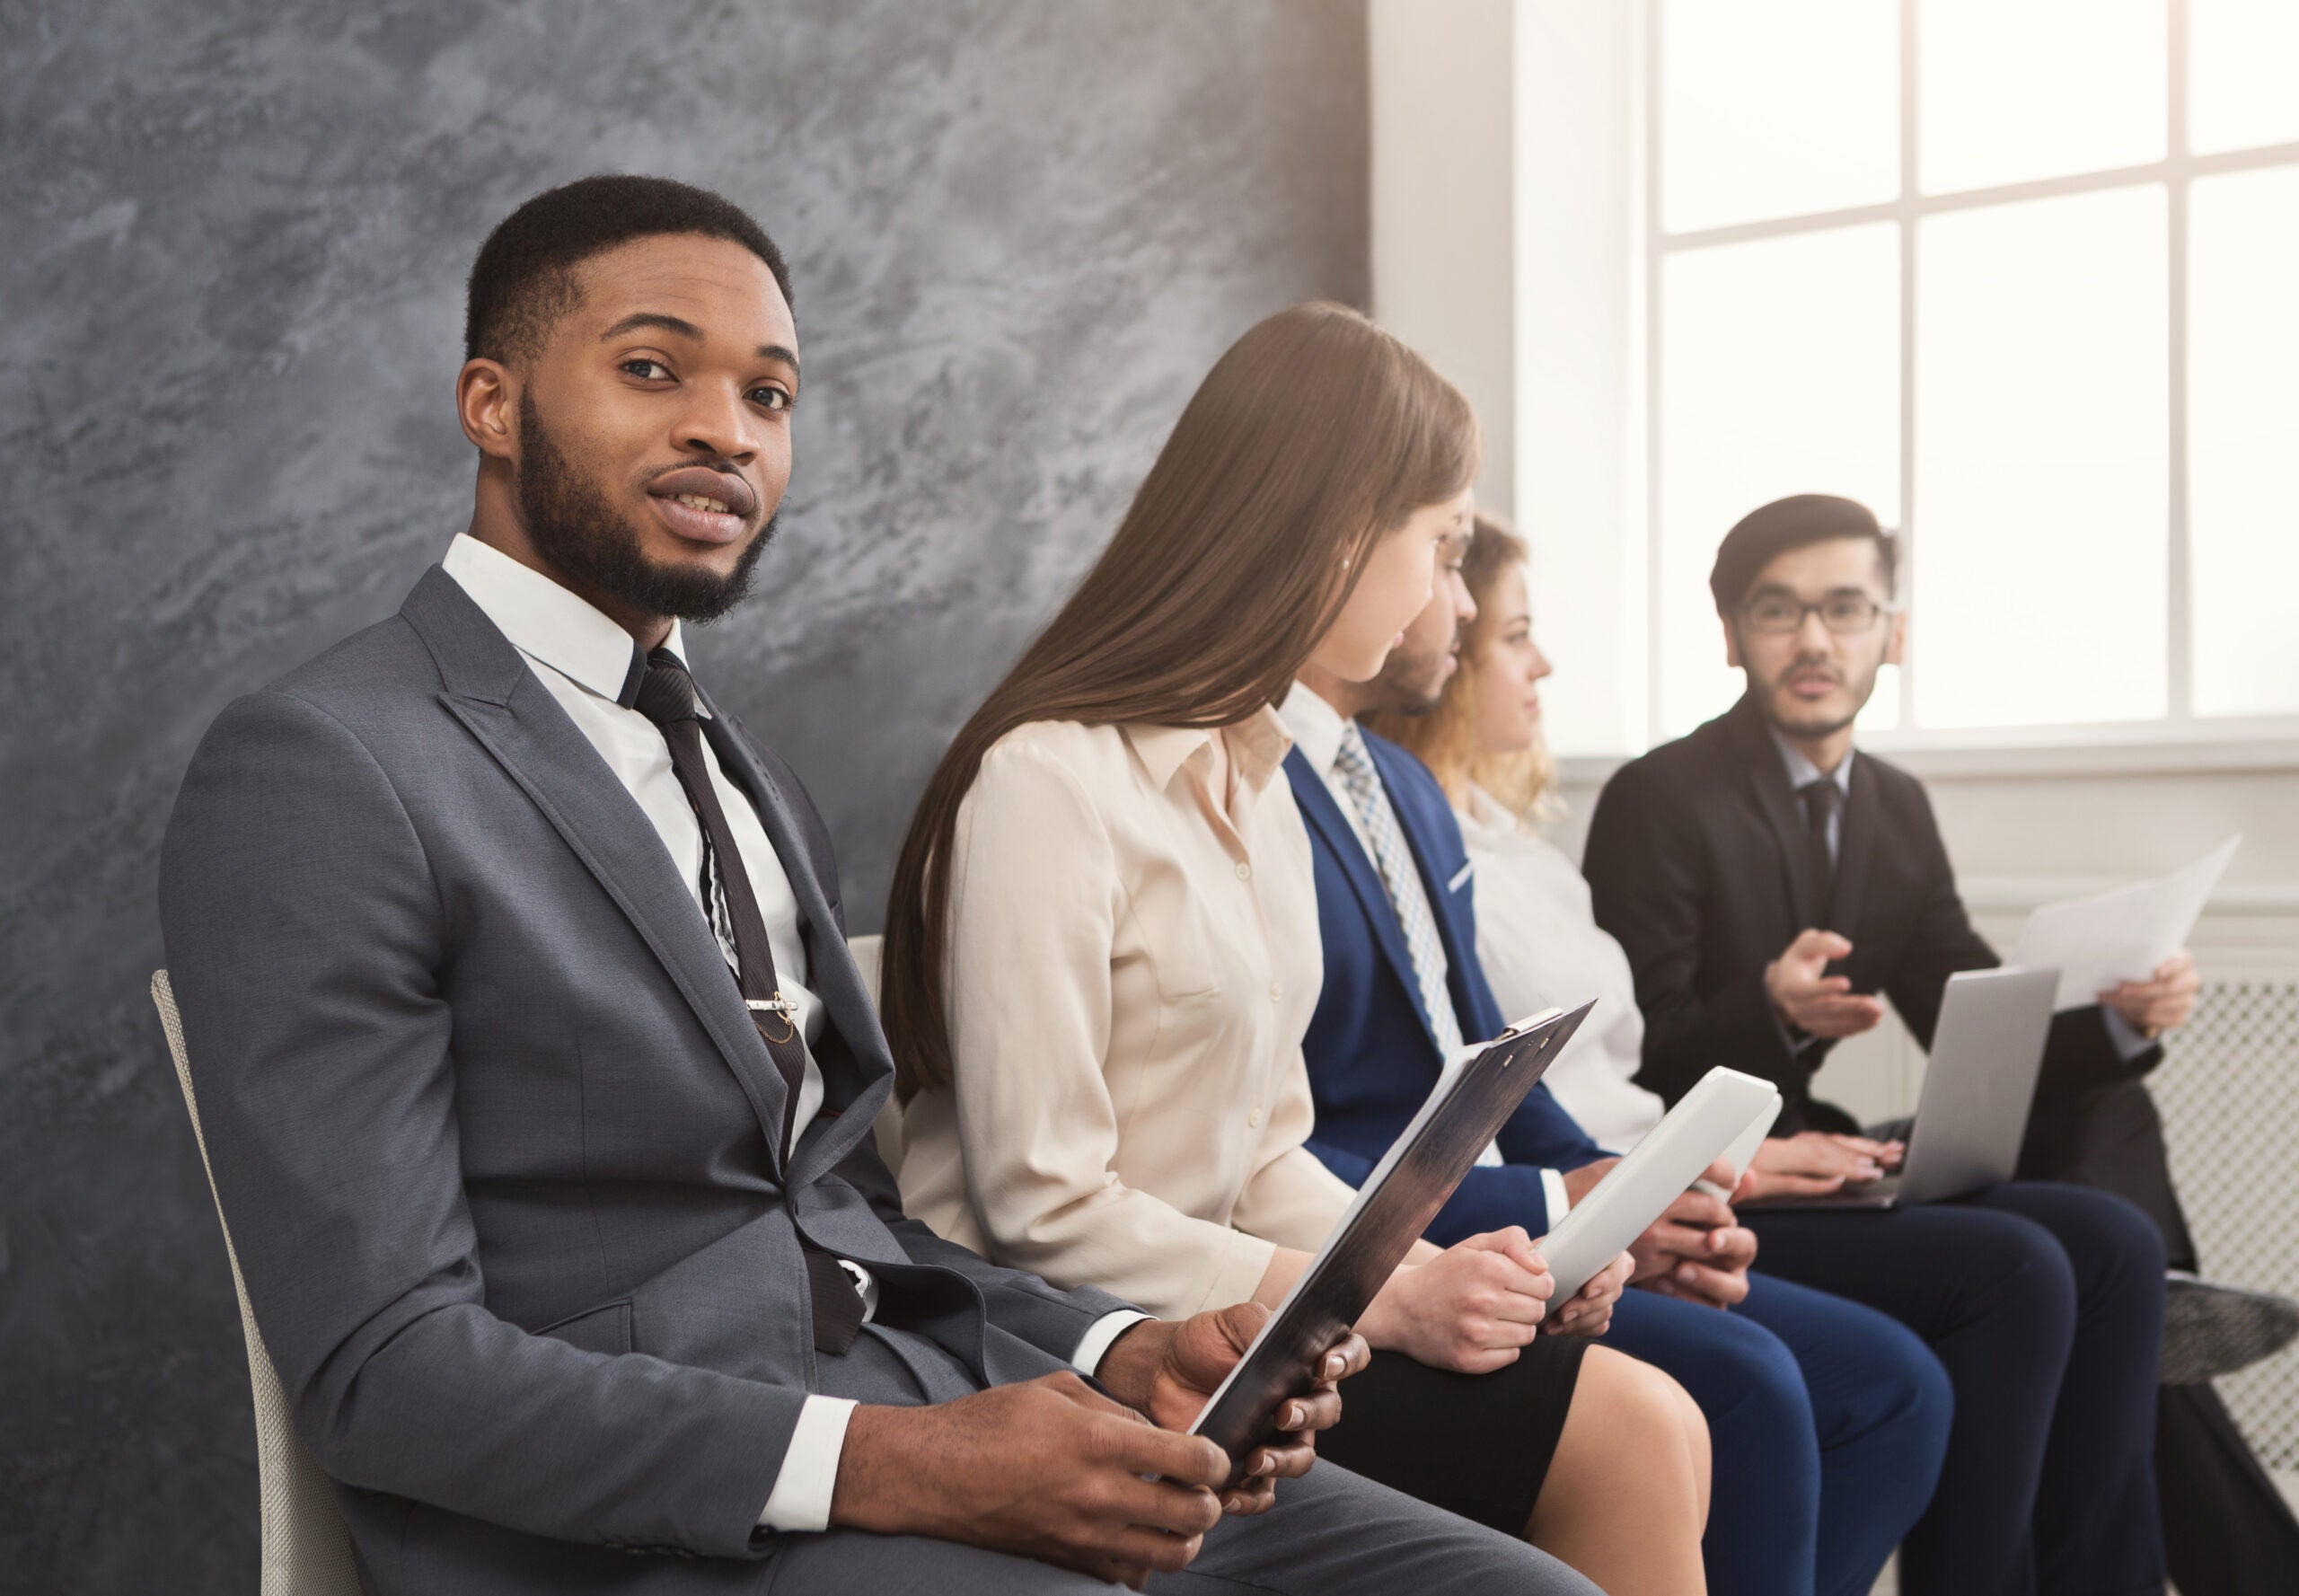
(1764, 535)
(524, 279)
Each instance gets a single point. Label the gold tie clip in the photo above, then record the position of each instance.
(778, 1005)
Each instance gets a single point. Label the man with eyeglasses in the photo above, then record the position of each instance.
(1772, 888)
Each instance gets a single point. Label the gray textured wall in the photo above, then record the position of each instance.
(230, 281)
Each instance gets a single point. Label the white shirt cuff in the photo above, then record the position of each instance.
(1560, 1200)
(800, 1499)
(1096, 1343)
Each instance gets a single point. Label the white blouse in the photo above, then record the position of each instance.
(1541, 946)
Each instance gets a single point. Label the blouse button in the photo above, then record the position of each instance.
(1276, 992)
(1253, 1118)
(1245, 872)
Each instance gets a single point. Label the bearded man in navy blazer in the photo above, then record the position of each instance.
(538, 1080)
(1827, 1420)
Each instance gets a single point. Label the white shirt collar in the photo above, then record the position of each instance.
(1318, 728)
(1802, 771)
(545, 621)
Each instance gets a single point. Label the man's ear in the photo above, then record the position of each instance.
(1731, 646)
(486, 404)
(1896, 646)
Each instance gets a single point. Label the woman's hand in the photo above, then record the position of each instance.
(1816, 1161)
(1470, 1308)
(1589, 1311)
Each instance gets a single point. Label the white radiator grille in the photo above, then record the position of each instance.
(2229, 1092)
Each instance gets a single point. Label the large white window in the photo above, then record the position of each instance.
(2023, 276)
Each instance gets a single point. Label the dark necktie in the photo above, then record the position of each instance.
(1823, 801)
(667, 697)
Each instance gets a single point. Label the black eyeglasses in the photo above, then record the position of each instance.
(1776, 614)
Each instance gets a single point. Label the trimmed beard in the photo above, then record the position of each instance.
(1794, 729)
(1413, 683)
(577, 527)
(1773, 697)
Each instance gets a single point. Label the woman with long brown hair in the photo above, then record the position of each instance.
(1102, 953)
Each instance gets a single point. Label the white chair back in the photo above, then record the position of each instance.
(306, 1548)
(867, 951)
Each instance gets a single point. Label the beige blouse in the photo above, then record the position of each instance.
(1133, 964)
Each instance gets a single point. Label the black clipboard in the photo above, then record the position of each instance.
(1394, 1206)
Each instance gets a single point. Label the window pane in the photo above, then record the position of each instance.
(2243, 440)
(2039, 541)
(1779, 375)
(1776, 108)
(2010, 90)
(2242, 60)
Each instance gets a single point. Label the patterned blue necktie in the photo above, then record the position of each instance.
(1354, 765)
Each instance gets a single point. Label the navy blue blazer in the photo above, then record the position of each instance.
(1372, 1056)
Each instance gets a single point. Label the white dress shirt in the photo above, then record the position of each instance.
(1541, 946)
(1316, 728)
(583, 659)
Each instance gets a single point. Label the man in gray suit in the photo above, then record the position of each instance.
(539, 1081)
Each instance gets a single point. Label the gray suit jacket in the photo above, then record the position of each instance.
(495, 1132)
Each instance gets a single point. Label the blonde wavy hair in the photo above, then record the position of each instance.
(1444, 739)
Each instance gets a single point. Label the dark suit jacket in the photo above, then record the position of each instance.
(1698, 862)
(495, 1134)
(1372, 1056)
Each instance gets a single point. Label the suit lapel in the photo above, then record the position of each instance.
(1315, 801)
(500, 702)
(832, 972)
(1766, 782)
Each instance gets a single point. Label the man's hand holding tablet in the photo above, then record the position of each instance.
(1383, 1228)
(1168, 1370)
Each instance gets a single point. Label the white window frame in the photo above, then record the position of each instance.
(2180, 739)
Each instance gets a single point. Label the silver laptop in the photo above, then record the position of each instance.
(1973, 1115)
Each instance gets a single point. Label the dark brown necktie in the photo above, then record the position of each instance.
(1823, 799)
(667, 697)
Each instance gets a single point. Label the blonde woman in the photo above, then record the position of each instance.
(1103, 949)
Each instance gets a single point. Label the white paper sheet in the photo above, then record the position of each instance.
(2121, 935)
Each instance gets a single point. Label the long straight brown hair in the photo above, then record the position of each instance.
(1315, 435)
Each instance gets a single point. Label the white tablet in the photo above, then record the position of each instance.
(1725, 1111)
